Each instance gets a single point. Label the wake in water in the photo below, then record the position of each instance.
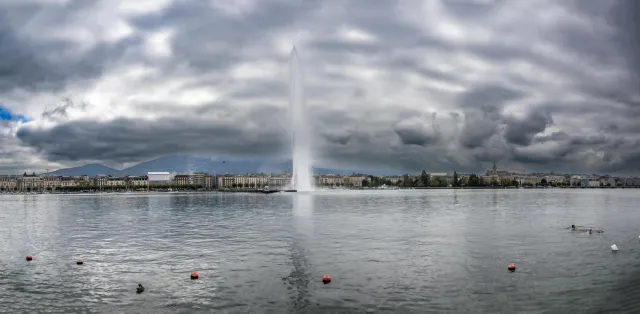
(585, 229)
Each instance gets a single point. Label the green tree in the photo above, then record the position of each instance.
(514, 183)
(406, 181)
(365, 183)
(424, 178)
(474, 180)
(455, 178)
(543, 182)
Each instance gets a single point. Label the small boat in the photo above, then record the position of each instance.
(268, 191)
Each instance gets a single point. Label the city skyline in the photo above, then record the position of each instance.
(439, 85)
(259, 182)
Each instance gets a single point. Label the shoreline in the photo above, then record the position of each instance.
(321, 190)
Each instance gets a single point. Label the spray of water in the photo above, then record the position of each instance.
(301, 179)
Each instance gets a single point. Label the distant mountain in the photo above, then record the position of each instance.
(90, 170)
(186, 164)
(214, 165)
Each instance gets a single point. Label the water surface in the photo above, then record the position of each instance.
(415, 251)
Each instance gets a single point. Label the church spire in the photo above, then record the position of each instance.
(495, 168)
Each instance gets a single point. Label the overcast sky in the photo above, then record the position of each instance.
(407, 85)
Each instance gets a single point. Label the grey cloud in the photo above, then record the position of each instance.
(477, 131)
(483, 113)
(25, 64)
(553, 137)
(488, 99)
(417, 132)
(625, 16)
(337, 137)
(352, 126)
(125, 140)
(60, 111)
(520, 131)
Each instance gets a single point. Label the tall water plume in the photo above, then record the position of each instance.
(302, 179)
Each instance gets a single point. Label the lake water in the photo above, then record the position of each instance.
(433, 251)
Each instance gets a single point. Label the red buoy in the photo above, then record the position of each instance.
(326, 279)
(29, 258)
(512, 267)
(194, 275)
(590, 230)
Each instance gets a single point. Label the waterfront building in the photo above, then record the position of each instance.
(70, 182)
(329, 180)
(183, 180)
(30, 182)
(137, 181)
(114, 182)
(226, 181)
(8, 183)
(355, 180)
(209, 181)
(100, 181)
(159, 178)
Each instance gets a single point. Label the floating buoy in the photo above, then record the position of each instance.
(79, 261)
(194, 275)
(326, 279)
(590, 230)
(614, 247)
(511, 267)
(29, 258)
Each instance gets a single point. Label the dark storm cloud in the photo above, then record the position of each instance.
(483, 106)
(476, 132)
(417, 132)
(543, 56)
(124, 140)
(626, 15)
(520, 131)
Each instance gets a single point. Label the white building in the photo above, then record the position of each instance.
(159, 178)
(594, 183)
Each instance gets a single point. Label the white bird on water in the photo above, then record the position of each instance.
(614, 247)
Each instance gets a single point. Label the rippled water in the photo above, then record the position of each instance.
(388, 252)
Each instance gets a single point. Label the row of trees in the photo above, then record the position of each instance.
(426, 180)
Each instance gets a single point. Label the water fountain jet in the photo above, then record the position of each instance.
(301, 179)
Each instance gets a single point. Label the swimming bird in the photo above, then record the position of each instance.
(140, 289)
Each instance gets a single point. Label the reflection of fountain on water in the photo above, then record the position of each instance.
(300, 277)
(301, 179)
(303, 214)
